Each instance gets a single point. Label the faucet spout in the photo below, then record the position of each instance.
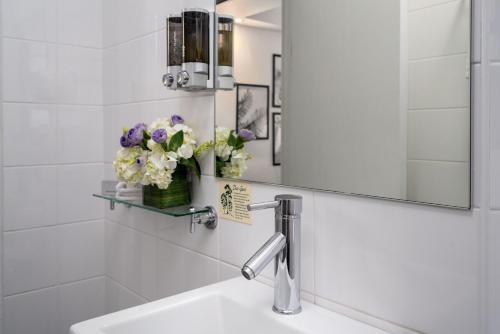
(253, 267)
(284, 247)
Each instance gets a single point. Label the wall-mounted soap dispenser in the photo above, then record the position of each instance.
(197, 60)
(174, 50)
(199, 51)
(224, 61)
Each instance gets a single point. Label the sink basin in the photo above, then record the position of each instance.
(230, 307)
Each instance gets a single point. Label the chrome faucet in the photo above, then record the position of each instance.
(284, 247)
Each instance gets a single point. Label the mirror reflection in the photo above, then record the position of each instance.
(354, 96)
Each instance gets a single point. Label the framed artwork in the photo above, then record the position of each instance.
(277, 81)
(252, 109)
(276, 139)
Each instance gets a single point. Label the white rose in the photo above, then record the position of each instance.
(185, 151)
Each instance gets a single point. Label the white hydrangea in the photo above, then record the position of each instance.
(237, 165)
(222, 149)
(160, 167)
(161, 123)
(126, 165)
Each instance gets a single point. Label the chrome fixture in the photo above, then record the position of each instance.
(284, 247)
(209, 219)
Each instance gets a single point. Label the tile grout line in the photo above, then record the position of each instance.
(53, 286)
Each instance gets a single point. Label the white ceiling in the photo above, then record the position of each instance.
(256, 13)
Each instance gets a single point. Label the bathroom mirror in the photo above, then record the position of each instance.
(360, 97)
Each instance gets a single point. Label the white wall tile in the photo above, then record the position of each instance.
(136, 71)
(438, 182)
(419, 4)
(79, 75)
(75, 186)
(32, 313)
(362, 317)
(119, 297)
(476, 30)
(181, 270)
(495, 135)
(25, 125)
(30, 19)
(493, 273)
(477, 132)
(80, 22)
(79, 134)
(227, 271)
(131, 259)
(493, 29)
(439, 135)
(439, 30)
(413, 264)
(81, 301)
(126, 24)
(444, 75)
(29, 71)
(30, 260)
(81, 250)
(30, 198)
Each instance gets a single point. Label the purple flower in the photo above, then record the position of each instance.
(124, 142)
(247, 135)
(141, 126)
(135, 136)
(176, 119)
(140, 161)
(160, 136)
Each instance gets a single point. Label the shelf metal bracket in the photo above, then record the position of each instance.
(209, 219)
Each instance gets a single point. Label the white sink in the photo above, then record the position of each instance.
(236, 306)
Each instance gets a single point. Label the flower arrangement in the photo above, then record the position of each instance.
(156, 155)
(231, 157)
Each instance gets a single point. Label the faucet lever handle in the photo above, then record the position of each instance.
(263, 205)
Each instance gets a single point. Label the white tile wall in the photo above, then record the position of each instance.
(80, 22)
(44, 257)
(52, 143)
(446, 75)
(30, 260)
(29, 71)
(19, 190)
(445, 31)
(53, 310)
(180, 269)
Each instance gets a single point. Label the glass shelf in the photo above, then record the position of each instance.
(180, 211)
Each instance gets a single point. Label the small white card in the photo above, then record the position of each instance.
(233, 200)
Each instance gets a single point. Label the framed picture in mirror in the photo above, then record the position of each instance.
(276, 139)
(252, 109)
(277, 80)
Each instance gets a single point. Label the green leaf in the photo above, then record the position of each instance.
(176, 141)
(193, 165)
(219, 164)
(240, 143)
(231, 141)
